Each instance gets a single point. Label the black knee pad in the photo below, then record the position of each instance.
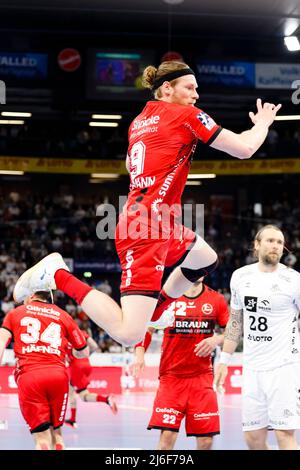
(83, 398)
(194, 274)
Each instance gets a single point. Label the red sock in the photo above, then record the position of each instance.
(102, 398)
(59, 447)
(162, 304)
(71, 286)
(73, 414)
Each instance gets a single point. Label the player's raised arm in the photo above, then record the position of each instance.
(244, 145)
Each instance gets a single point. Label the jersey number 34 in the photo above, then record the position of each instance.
(51, 334)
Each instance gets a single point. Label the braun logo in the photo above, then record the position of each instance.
(192, 324)
(2, 92)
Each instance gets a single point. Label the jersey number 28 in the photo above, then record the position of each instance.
(259, 323)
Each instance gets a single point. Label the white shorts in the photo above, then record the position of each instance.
(271, 398)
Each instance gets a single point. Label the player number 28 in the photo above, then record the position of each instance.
(259, 323)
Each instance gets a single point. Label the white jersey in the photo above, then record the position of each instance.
(271, 305)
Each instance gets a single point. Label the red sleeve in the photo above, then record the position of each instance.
(146, 341)
(203, 126)
(75, 336)
(223, 312)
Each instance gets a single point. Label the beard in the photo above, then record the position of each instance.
(271, 260)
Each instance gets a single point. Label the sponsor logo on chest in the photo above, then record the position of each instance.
(139, 123)
(254, 304)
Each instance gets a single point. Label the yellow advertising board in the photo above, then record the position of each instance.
(81, 166)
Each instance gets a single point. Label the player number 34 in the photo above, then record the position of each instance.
(51, 335)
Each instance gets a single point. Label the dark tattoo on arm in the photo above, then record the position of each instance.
(234, 328)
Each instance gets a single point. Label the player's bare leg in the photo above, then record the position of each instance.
(57, 439)
(127, 326)
(199, 257)
(73, 408)
(91, 397)
(167, 440)
(201, 260)
(43, 440)
(257, 440)
(286, 439)
(204, 442)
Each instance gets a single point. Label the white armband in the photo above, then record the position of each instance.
(225, 358)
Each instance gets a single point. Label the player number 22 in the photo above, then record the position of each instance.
(169, 419)
(51, 335)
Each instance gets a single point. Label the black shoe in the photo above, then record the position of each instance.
(71, 423)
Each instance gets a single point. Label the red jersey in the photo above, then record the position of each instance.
(41, 332)
(79, 369)
(162, 139)
(195, 320)
(69, 352)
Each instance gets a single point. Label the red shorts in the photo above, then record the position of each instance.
(143, 260)
(192, 398)
(80, 373)
(43, 397)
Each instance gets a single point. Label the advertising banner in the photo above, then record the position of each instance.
(98, 266)
(233, 381)
(219, 167)
(226, 73)
(23, 65)
(277, 76)
(116, 379)
(104, 380)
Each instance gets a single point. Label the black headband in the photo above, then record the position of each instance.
(171, 76)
